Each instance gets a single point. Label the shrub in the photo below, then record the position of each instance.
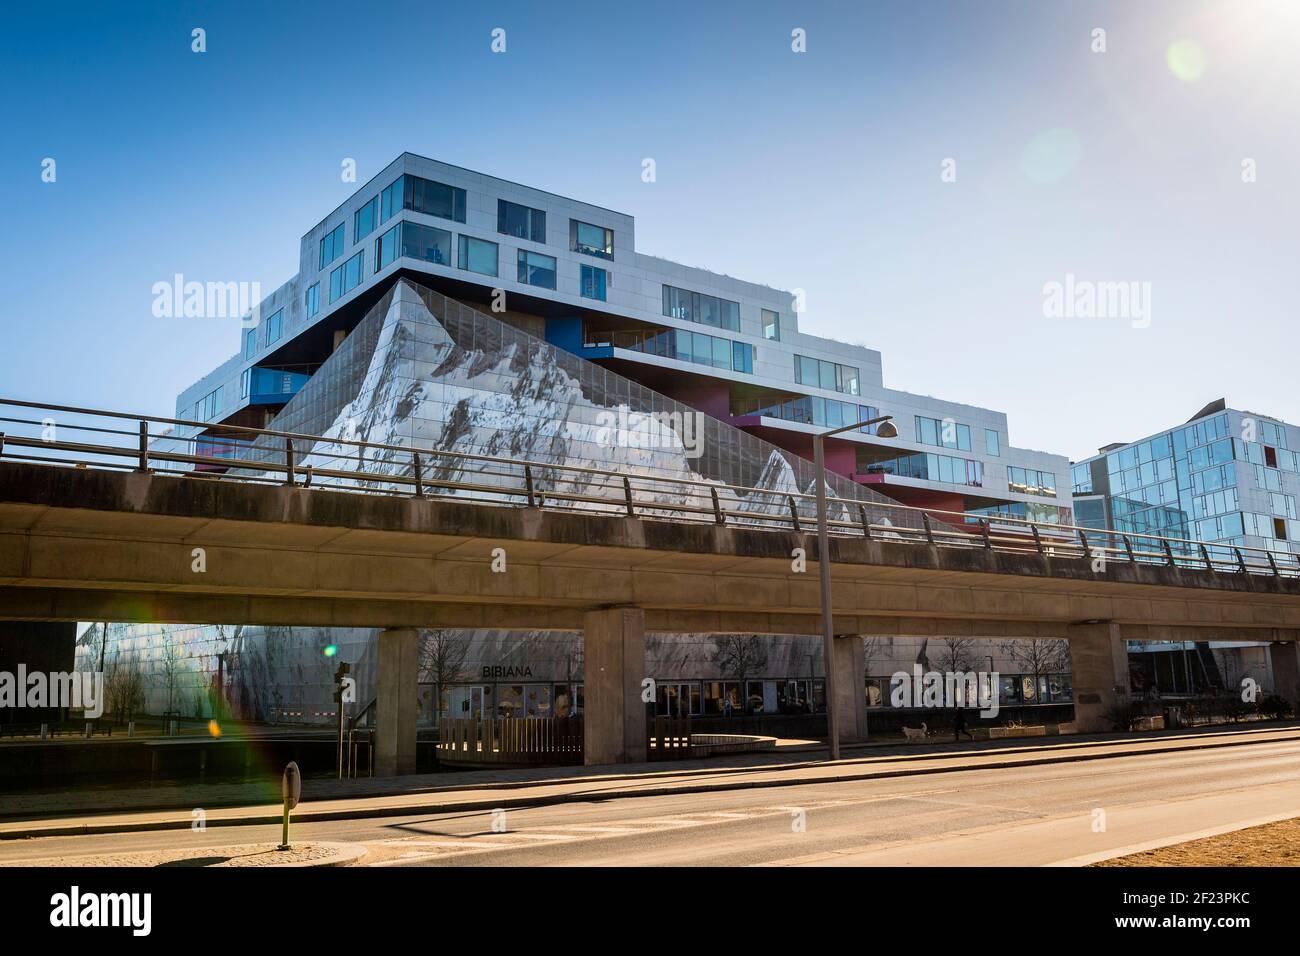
(1275, 707)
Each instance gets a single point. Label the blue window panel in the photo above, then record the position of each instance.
(594, 283)
(274, 327)
(386, 248)
(478, 255)
(365, 219)
(536, 269)
(390, 200)
(331, 246)
(426, 242)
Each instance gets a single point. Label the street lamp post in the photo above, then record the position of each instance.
(887, 430)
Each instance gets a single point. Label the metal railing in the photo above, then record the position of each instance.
(193, 450)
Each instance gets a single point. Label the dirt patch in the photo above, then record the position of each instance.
(1273, 844)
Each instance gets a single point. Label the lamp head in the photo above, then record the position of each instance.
(886, 429)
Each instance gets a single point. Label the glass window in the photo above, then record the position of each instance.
(426, 242)
(591, 240)
(536, 269)
(390, 200)
(771, 325)
(522, 222)
(478, 255)
(312, 299)
(386, 248)
(331, 246)
(731, 315)
(347, 276)
(742, 357)
(710, 311)
(244, 379)
(594, 283)
(721, 353)
(992, 443)
(250, 342)
(433, 199)
(701, 349)
(274, 326)
(365, 219)
(679, 304)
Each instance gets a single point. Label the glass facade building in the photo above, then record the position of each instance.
(449, 310)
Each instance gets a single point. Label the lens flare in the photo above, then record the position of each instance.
(1051, 155)
(1186, 60)
(331, 650)
(214, 728)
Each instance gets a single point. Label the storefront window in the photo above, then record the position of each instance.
(537, 700)
(566, 704)
(510, 700)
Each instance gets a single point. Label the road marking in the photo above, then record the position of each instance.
(554, 834)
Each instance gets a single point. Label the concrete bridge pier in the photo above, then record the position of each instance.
(614, 723)
(850, 688)
(1099, 671)
(397, 701)
(1284, 662)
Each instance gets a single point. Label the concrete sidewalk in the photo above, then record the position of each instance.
(486, 790)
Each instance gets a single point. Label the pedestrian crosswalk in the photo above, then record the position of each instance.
(498, 835)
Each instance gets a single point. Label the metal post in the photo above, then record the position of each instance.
(144, 447)
(824, 569)
(528, 483)
(866, 522)
(419, 477)
(984, 528)
(1169, 552)
(627, 495)
(1205, 555)
(1128, 548)
(929, 532)
(794, 515)
(288, 461)
(718, 516)
(1038, 538)
(1272, 563)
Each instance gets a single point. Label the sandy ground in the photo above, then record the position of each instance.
(249, 854)
(1274, 844)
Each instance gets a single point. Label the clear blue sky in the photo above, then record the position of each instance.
(818, 171)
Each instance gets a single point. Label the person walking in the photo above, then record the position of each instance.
(959, 726)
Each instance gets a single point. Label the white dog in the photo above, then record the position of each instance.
(911, 733)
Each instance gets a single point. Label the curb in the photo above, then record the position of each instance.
(325, 815)
(1064, 744)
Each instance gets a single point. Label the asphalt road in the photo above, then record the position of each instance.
(1034, 815)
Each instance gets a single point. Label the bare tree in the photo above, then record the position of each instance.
(873, 649)
(124, 686)
(443, 654)
(956, 654)
(738, 656)
(1038, 657)
(171, 672)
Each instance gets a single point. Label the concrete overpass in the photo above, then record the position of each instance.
(91, 544)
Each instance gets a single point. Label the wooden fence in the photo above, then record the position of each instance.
(511, 740)
(670, 739)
